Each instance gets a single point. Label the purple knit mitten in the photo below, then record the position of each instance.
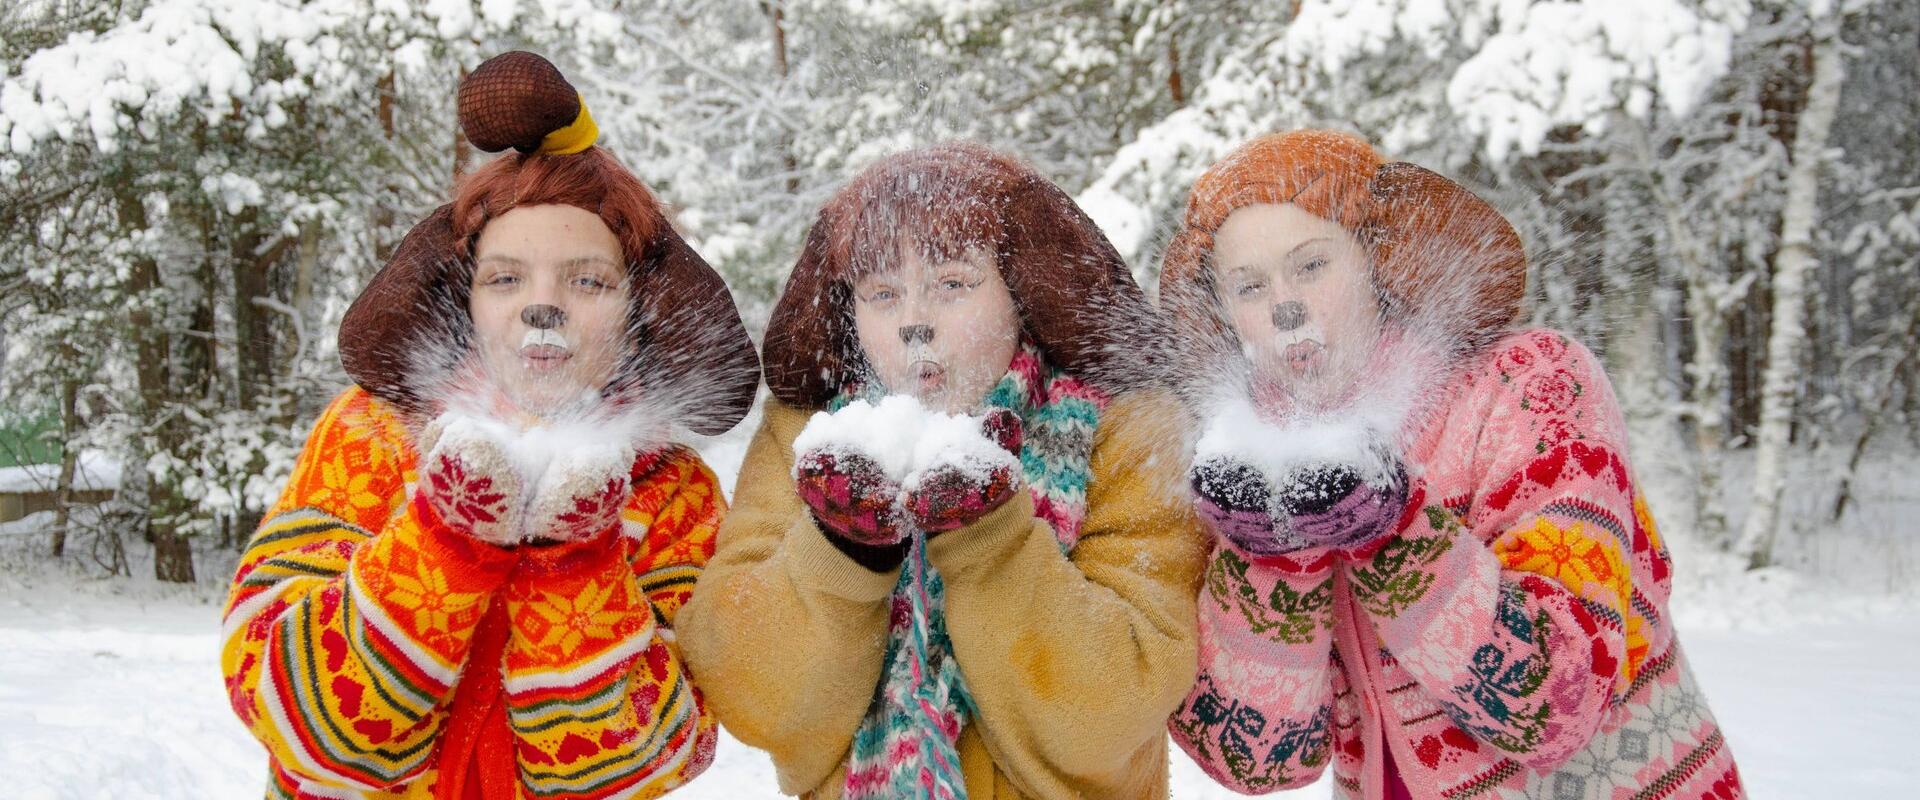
(1236, 501)
(1332, 506)
(851, 497)
(953, 496)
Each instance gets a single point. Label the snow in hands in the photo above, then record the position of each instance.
(532, 473)
(907, 441)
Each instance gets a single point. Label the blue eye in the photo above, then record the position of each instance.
(1313, 266)
(503, 279)
(1248, 289)
(591, 283)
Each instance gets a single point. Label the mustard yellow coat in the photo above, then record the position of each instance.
(1075, 661)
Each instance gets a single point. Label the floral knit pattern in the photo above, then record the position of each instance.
(378, 651)
(1512, 641)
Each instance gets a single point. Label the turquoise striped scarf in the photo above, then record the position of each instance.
(905, 746)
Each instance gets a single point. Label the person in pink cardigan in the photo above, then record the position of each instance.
(1433, 569)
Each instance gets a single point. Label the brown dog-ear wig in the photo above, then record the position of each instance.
(384, 337)
(1076, 295)
(692, 344)
(1443, 253)
(810, 343)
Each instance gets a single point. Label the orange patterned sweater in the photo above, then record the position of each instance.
(378, 653)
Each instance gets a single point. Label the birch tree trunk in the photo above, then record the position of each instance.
(1708, 299)
(1792, 264)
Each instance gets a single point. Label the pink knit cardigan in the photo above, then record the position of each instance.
(1511, 641)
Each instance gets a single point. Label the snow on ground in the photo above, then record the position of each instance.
(111, 687)
(93, 471)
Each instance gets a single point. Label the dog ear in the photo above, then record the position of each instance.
(1078, 299)
(1189, 299)
(693, 346)
(405, 313)
(1441, 252)
(810, 342)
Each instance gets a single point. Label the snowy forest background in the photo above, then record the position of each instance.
(1722, 197)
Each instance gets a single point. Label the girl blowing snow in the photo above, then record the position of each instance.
(1433, 568)
(958, 563)
(467, 588)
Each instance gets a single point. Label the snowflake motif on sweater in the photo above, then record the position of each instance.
(377, 652)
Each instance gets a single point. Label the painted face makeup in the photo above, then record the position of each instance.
(1298, 291)
(943, 331)
(549, 305)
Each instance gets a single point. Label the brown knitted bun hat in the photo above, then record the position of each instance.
(689, 349)
(1076, 298)
(1438, 251)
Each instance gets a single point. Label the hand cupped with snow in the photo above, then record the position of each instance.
(1271, 486)
(470, 481)
(509, 484)
(944, 470)
(965, 467)
(580, 495)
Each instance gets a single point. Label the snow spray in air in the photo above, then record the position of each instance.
(1329, 341)
(554, 387)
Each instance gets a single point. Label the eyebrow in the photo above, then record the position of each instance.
(1296, 249)
(571, 262)
(955, 265)
(594, 259)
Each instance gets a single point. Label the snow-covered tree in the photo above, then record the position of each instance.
(192, 191)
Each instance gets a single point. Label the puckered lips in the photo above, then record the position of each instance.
(1303, 351)
(1306, 358)
(544, 350)
(928, 377)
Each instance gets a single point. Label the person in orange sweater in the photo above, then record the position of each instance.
(468, 586)
(1012, 617)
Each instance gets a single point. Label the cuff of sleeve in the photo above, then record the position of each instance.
(450, 546)
(816, 564)
(990, 539)
(562, 559)
(1311, 563)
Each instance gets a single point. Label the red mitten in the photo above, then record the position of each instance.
(958, 489)
(468, 479)
(580, 496)
(851, 497)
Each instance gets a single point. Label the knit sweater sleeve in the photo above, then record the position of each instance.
(784, 633)
(596, 695)
(1516, 605)
(1075, 661)
(1259, 718)
(352, 611)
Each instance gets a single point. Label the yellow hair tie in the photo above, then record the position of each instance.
(577, 136)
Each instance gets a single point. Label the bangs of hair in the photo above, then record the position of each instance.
(1324, 172)
(592, 180)
(940, 202)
